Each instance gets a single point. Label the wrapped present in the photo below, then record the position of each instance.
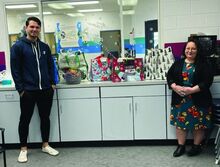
(100, 69)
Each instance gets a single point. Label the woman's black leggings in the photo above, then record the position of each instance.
(43, 99)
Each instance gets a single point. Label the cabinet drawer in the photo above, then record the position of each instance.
(149, 90)
(14, 96)
(78, 93)
(215, 88)
(9, 96)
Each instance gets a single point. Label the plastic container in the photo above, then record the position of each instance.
(72, 78)
(6, 82)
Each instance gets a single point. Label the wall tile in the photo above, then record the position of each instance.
(205, 6)
(213, 19)
(177, 8)
(190, 21)
(170, 23)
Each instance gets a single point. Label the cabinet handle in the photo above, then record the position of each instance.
(9, 96)
(61, 111)
(135, 107)
(130, 107)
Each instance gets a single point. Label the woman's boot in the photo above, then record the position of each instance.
(180, 150)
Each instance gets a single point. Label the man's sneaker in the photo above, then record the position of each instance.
(50, 150)
(22, 156)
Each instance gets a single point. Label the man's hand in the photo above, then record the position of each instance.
(53, 86)
(21, 94)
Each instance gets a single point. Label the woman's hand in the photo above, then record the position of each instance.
(178, 89)
(191, 90)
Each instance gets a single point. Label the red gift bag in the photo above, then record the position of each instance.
(118, 71)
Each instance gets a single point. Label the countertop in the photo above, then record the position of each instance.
(102, 84)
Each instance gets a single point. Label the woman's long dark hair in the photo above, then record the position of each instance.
(199, 56)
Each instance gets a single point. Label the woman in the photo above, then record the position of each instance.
(190, 79)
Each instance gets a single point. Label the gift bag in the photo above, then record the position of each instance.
(158, 62)
(100, 69)
(139, 69)
(134, 69)
(118, 71)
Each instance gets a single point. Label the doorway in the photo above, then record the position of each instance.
(151, 34)
(111, 43)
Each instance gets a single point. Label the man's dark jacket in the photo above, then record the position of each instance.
(32, 65)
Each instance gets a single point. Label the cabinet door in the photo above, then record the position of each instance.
(117, 118)
(149, 117)
(171, 130)
(34, 128)
(80, 119)
(9, 119)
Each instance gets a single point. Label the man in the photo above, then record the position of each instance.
(32, 71)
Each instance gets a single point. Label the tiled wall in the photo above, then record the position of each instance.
(180, 18)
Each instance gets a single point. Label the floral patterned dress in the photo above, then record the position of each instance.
(186, 115)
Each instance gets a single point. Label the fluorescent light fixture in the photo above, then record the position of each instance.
(37, 13)
(128, 2)
(60, 6)
(128, 12)
(90, 10)
(84, 3)
(75, 14)
(20, 6)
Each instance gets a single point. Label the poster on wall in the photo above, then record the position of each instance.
(75, 38)
(2, 61)
(68, 37)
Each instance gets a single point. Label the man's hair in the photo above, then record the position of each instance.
(33, 19)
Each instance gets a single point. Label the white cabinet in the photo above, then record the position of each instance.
(133, 112)
(215, 89)
(149, 117)
(34, 128)
(9, 115)
(117, 118)
(80, 116)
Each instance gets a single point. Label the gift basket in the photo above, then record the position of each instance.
(72, 67)
(72, 76)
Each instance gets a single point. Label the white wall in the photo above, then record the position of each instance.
(180, 18)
